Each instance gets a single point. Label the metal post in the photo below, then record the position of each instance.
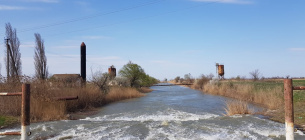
(289, 115)
(25, 112)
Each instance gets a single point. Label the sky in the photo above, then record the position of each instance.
(167, 38)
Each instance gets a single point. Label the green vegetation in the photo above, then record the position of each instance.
(7, 120)
(148, 81)
(136, 75)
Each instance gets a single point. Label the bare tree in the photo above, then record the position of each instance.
(101, 80)
(177, 79)
(14, 52)
(255, 74)
(188, 78)
(40, 59)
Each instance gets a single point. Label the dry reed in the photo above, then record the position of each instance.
(44, 106)
(237, 107)
(268, 97)
(121, 93)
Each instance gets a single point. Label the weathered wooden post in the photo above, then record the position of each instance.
(7, 60)
(25, 112)
(289, 115)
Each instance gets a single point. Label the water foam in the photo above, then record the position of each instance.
(168, 115)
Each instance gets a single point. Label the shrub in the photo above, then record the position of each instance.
(237, 107)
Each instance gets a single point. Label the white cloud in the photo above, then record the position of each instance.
(66, 47)
(95, 37)
(44, 1)
(98, 58)
(28, 45)
(62, 55)
(168, 63)
(160, 62)
(297, 49)
(6, 7)
(227, 1)
(82, 3)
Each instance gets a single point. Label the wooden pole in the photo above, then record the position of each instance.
(7, 60)
(25, 112)
(289, 115)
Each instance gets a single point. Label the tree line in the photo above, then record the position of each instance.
(133, 74)
(13, 56)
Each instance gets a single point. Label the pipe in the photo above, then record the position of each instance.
(25, 112)
(11, 94)
(289, 115)
(9, 133)
(299, 88)
(66, 98)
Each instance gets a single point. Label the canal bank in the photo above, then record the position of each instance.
(168, 112)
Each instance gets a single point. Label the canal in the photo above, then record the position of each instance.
(169, 112)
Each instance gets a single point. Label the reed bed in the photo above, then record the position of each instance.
(270, 97)
(121, 93)
(237, 107)
(45, 107)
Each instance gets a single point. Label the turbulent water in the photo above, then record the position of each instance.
(169, 112)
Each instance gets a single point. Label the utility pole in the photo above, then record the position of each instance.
(7, 59)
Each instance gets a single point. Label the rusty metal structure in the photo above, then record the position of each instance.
(83, 61)
(220, 70)
(25, 111)
(112, 72)
(66, 98)
(289, 111)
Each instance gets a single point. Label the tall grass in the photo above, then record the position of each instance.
(44, 106)
(268, 96)
(237, 107)
(121, 93)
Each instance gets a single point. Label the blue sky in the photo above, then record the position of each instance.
(168, 38)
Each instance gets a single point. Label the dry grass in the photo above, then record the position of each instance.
(121, 93)
(267, 96)
(44, 107)
(237, 107)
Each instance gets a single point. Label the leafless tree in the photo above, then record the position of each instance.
(40, 59)
(177, 79)
(255, 74)
(14, 52)
(101, 80)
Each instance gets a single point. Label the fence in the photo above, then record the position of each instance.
(25, 110)
(289, 112)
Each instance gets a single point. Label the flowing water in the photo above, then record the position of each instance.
(169, 112)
